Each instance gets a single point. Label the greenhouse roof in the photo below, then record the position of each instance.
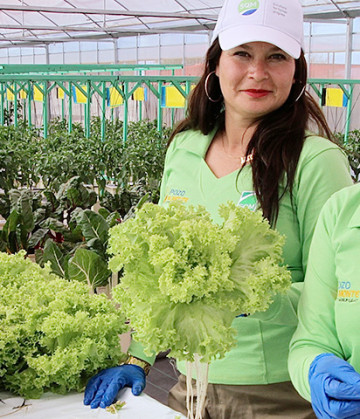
(30, 22)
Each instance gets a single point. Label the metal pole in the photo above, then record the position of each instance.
(15, 105)
(29, 101)
(103, 111)
(87, 109)
(348, 114)
(2, 104)
(140, 102)
(63, 108)
(159, 119)
(349, 44)
(70, 106)
(172, 109)
(115, 111)
(125, 124)
(45, 109)
(46, 84)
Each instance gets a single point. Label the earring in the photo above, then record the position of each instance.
(301, 93)
(207, 91)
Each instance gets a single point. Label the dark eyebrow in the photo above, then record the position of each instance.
(274, 48)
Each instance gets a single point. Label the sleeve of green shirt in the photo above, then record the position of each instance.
(323, 171)
(316, 332)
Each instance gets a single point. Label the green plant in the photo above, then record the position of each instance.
(124, 199)
(33, 217)
(63, 230)
(352, 149)
(186, 279)
(19, 163)
(21, 209)
(53, 335)
(87, 261)
(9, 113)
(144, 152)
(26, 157)
(65, 155)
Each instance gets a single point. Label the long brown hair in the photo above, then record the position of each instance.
(279, 136)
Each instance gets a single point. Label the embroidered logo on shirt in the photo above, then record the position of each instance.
(346, 293)
(248, 200)
(176, 195)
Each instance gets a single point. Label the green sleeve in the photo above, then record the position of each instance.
(168, 156)
(323, 169)
(318, 177)
(136, 349)
(316, 332)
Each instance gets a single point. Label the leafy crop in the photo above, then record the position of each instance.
(26, 157)
(53, 335)
(186, 278)
(352, 149)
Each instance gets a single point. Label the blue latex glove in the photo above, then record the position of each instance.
(102, 389)
(335, 388)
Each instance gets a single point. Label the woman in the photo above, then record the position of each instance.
(245, 140)
(324, 360)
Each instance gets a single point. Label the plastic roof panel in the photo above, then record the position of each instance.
(37, 22)
(170, 6)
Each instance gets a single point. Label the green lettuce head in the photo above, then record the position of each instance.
(54, 336)
(186, 278)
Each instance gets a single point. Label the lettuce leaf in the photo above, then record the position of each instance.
(186, 278)
(53, 335)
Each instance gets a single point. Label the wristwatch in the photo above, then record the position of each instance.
(132, 360)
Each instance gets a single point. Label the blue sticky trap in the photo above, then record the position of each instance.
(163, 96)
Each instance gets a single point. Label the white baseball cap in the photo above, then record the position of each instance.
(278, 22)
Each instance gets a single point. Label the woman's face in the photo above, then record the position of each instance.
(255, 79)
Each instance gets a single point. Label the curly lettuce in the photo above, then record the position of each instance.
(186, 278)
(53, 335)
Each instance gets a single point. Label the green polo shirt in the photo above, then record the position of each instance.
(260, 355)
(329, 309)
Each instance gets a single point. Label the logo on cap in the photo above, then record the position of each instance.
(248, 7)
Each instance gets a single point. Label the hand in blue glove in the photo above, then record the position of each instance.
(102, 389)
(335, 388)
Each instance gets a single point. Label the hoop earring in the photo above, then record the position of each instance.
(207, 91)
(301, 93)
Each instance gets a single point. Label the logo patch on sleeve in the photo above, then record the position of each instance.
(346, 293)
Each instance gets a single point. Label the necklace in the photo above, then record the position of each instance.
(243, 159)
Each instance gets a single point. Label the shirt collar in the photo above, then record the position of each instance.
(197, 143)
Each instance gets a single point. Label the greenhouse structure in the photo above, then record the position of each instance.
(90, 94)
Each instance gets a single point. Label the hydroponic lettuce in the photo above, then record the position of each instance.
(186, 278)
(53, 335)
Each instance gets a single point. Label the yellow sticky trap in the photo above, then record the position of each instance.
(38, 95)
(139, 94)
(79, 95)
(60, 93)
(174, 99)
(115, 98)
(334, 97)
(9, 94)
